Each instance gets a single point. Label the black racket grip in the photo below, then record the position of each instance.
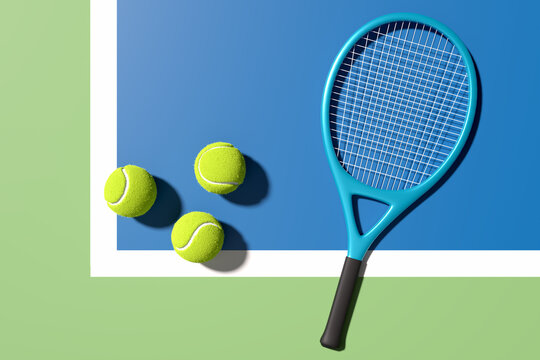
(331, 337)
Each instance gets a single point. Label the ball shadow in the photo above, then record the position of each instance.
(255, 187)
(228, 259)
(166, 210)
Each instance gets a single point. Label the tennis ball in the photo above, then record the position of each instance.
(197, 237)
(220, 168)
(130, 191)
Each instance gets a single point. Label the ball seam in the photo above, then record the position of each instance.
(125, 189)
(185, 247)
(210, 181)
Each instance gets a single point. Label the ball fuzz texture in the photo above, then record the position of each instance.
(220, 168)
(197, 237)
(130, 191)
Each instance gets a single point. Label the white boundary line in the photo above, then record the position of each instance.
(106, 260)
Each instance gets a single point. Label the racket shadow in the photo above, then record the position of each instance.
(442, 181)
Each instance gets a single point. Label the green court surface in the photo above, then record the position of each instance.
(52, 309)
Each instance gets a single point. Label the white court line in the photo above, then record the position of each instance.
(106, 260)
(271, 263)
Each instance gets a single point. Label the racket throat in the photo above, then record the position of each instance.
(360, 241)
(368, 212)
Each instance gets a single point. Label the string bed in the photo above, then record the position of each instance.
(398, 105)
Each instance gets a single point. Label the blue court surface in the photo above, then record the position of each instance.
(252, 73)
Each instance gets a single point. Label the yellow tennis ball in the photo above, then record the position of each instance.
(220, 168)
(197, 237)
(130, 191)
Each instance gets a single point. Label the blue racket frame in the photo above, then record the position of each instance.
(397, 200)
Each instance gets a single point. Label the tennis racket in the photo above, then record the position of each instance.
(397, 109)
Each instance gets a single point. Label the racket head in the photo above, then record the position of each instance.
(348, 164)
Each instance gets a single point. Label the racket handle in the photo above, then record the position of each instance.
(331, 337)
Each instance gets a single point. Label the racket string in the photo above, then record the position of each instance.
(445, 121)
(429, 91)
(408, 149)
(394, 118)
(354, 167)
(373, 142)
(397, 110)
(402, 93)
(390, 163)
(384, 49)
(346, 96)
